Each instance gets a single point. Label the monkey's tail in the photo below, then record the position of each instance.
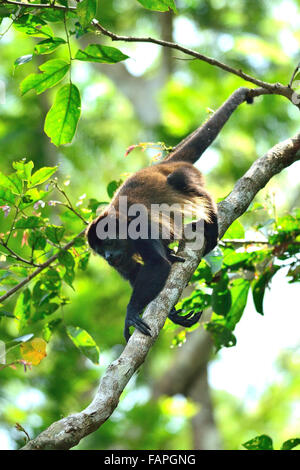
(192, 147)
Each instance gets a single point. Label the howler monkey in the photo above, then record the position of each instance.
(128, 243)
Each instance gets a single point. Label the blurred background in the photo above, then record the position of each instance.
(159, 95)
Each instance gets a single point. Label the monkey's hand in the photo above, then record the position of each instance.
(174, 258)
(133, 319)
(184, 320)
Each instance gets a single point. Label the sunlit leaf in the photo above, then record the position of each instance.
(290, 444)
(62, 119)
(236, 230)
(29, 222)
(262, 442)
(34, 351)
(99, 53)
(22, 308)
(42, 175)
(158, 5)
(33, 26)
(86, 11)
(84, 342)
(54, 233)
(48, 45)
(53, 70)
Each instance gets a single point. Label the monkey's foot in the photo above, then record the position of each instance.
(173, 257)
(184, 320)
(138, 323)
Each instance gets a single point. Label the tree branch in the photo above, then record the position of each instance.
(51, 6)
(41, 267)
(274, 88)
(68, 432)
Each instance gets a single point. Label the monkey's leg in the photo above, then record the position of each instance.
(149, 281)
(211, 231)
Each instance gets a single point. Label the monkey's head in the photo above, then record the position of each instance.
(107, 243)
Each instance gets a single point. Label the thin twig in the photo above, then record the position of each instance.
(41, 267)
(18, 257)
(37, 5)
(276, 88)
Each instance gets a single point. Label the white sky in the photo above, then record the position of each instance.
(248, 368)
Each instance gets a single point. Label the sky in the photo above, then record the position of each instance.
(247, 369)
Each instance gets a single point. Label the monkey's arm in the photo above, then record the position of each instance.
(150, 280)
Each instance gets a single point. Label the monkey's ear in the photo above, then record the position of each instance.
(91, 235)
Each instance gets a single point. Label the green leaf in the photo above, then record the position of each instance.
(53, 70)
(221, 297)
(55, 16)
(62, 119)
(158, 5)
(203, 272)
(23, 169)
(221, 335)
(32, 195)
(48, 45)
(239, 294)
(86, 11)
(49, 328)
(29, 222)
(23, 59)
(52, 281)
(83, 261)
(262, 442)
(42, 175)
(112, 187)
(99, 53)
(290, 444)
(67, 260)
(22, 308)
(36, 240)
(84, 342)
(6, 196)
(12, 182)
(236, 260)
(54, 233)
(33, 26)
(236, 230)
(259, 287)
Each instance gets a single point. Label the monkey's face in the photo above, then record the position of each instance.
(115, 251)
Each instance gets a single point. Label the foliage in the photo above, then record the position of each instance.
(224, 277)
(51, 256)
(62, 118)
(264, 442)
